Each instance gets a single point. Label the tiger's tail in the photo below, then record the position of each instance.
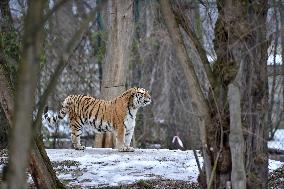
(52, 120)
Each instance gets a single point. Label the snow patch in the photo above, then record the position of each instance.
(278, 59)
(278, 140)
(273, 165)
(108, 167)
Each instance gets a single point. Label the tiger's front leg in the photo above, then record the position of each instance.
(120, 140)
(75, 137)
(119, 134)
(128, 137)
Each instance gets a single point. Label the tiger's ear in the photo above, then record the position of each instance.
(133, 91)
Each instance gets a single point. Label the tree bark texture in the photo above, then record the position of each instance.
(5, 96)
(236, 139)
(196, 95)
(41, 168)
(118, 50)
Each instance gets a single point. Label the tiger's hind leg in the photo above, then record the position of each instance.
(75, 136)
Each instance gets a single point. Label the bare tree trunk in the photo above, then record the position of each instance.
(117, 56)
(41, 168)
(25, 96)
(197, 98)
(236, 138)
(238, 174)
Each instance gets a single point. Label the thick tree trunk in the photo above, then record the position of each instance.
(117, 56)
(41, 168)
(240, 38)
(42, 173)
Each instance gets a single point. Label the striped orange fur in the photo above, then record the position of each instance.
(116, 115)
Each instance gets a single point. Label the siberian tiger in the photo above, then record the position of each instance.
(116, 115)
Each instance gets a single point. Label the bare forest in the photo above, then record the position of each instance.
(211, 72)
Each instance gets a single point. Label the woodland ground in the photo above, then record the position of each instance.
(144, 168)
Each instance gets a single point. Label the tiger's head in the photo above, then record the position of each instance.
(141, 97)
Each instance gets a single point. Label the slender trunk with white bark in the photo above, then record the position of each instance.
(236, 138)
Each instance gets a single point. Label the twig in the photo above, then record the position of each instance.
(197, 162)
(213, 170)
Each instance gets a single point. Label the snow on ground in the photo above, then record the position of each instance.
(278, 59)
(98, 167)
(278, 141)
(273, 165)
(270, 60)
(108, 167)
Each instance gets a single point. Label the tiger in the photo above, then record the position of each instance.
(116, 115)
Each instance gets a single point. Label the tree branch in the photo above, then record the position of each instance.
(182, 20)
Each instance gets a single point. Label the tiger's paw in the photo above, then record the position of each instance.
(80, 147)
(126, 149)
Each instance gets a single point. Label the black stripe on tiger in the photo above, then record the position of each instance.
(129, 111)
(94, 106)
